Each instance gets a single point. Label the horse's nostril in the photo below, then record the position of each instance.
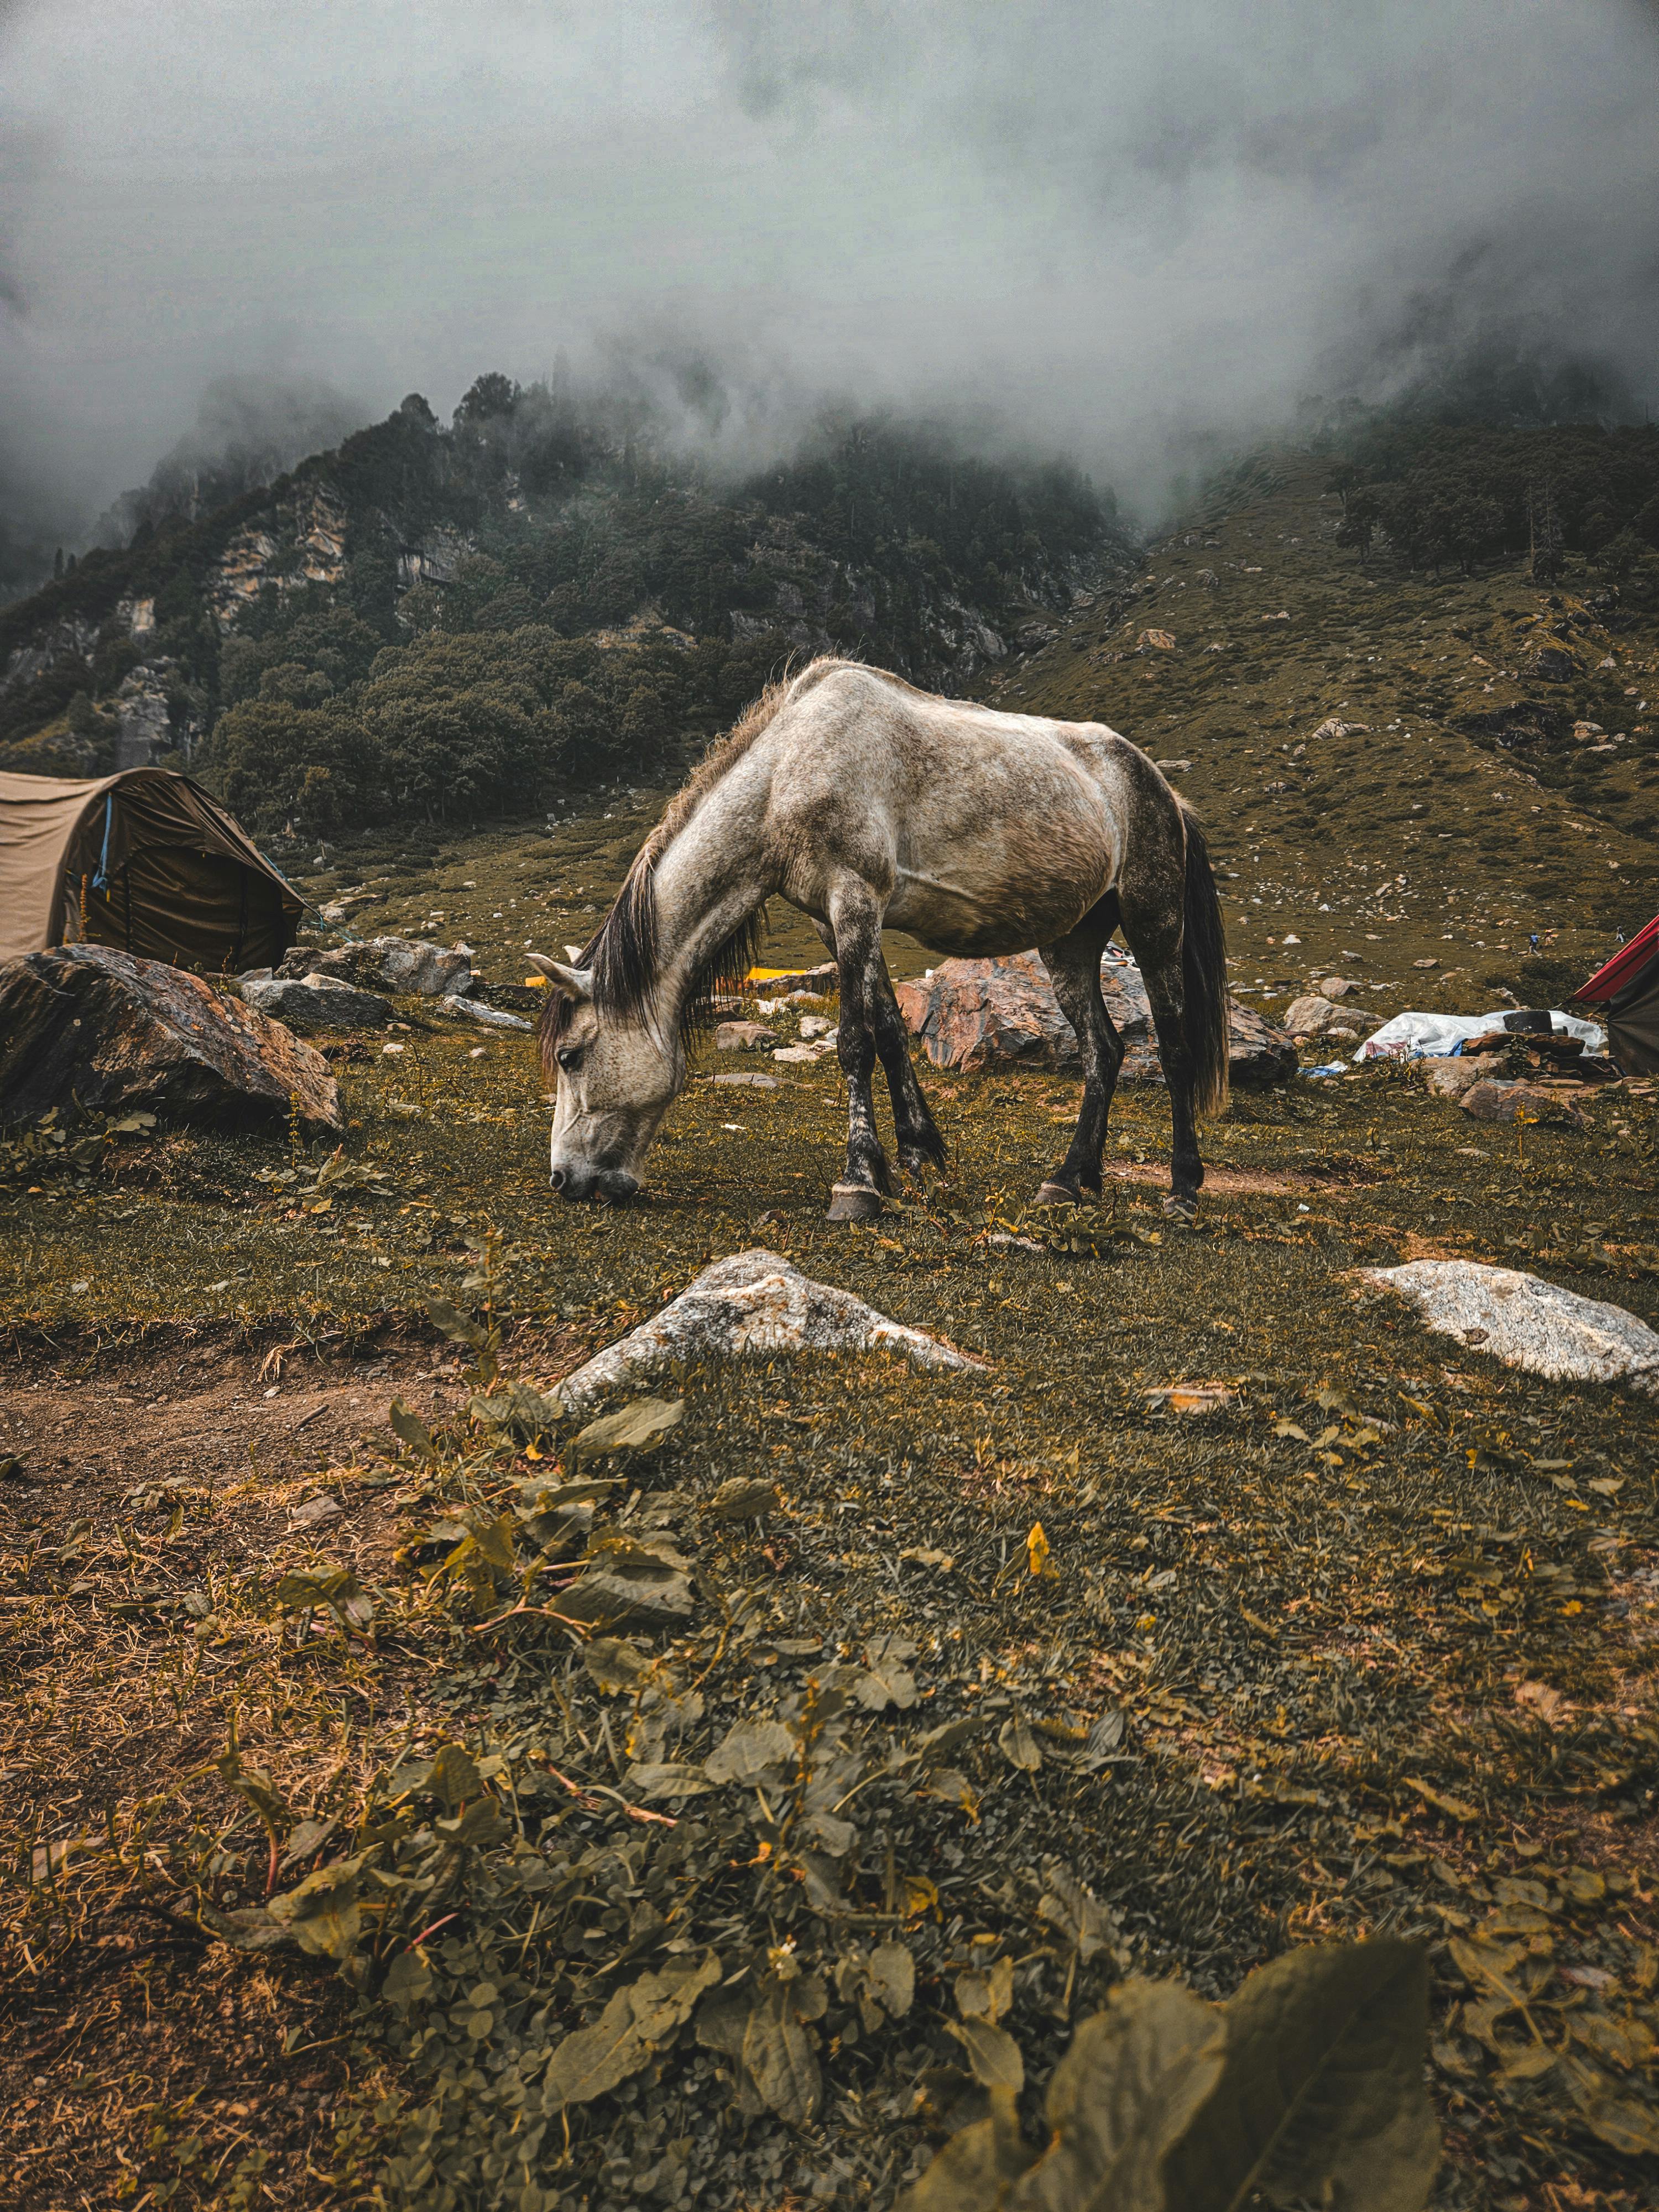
(558, 1178)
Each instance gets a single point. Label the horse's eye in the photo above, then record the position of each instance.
(570, 1059)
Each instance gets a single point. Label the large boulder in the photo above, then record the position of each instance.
(404, 967)
(975, 1014)
(86, 1029)
(316, 1002)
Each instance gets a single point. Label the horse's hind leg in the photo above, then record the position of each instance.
(919, 1144)
(855, 919)
(1156, 945)
(1073, 965)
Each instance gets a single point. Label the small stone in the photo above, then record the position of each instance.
(743, 1037)
(1337, 987)
(1512, 1102)
(1425, 963)
(815, 1025)
(1309, 1016)
(476, 1010)
(757, 1082)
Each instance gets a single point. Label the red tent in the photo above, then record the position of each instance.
(1628, 986)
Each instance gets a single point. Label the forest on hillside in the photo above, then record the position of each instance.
(1456, 496)
(543, 593)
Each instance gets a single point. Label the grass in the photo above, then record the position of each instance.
(1371, 1647)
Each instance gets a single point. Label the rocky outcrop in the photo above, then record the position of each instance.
(406, 967)
(86, 1029)
(756, 1306)
(976, 1013)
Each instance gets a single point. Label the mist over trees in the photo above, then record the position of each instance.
(550, 591)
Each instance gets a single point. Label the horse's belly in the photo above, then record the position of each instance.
(966, 915)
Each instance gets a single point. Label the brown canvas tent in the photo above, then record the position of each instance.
(145, 861)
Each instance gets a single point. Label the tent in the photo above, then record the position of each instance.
(1628, 986)
(145, 861)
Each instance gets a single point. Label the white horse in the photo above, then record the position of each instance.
(865, 802)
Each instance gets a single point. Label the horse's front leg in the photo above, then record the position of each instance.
(919, 1144)
(855, 919)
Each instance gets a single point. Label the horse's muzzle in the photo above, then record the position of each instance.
(579, 1183)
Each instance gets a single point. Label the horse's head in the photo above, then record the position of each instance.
(616, 1078)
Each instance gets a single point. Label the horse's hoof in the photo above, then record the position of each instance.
(1180, 1209)
(853, 1201)
(1056, 1194)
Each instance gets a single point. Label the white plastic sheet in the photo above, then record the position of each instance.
(1434, 1036)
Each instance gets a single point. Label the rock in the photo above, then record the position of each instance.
(973, 1014)
(1451, 1079)
(317, 1002)
(1425, 963)
(757, 1082)
(805, 1056)
(754, 1306)
(1175, 767)
(1337, 987)
(476, 1010)
(1334, 727)
(1527, 1322)
(743, 1037)
(815, 1025)
(1309, 1016)
(86, 1029)
(1155, 640)
(1490, 1101)
(407, 967)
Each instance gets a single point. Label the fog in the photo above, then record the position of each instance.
(1139, 231)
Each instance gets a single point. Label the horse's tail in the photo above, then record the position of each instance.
(1204, 974)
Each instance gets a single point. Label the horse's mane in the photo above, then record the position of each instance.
(623, 952)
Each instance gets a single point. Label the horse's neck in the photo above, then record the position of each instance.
(708, 880)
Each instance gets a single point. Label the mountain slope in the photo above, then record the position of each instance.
(1386, 763)
(439, 622)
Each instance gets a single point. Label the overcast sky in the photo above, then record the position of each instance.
(1123, 225)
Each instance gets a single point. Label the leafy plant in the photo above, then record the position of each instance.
(1307, 2087)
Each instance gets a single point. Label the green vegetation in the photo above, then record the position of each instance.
(450, 624)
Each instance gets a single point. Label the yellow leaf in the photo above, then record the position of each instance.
(1036, 1551)
(920, 1896)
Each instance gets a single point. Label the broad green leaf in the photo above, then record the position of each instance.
(409, 1978)
(777, 2052)
(321, 1914)
(749, 1751)
(595, 2059)
(665, 1778)
(745, 1497)
(634, 1429)
(972, 2172)
(1128, 2085)
(453, 1777)
(459, 1328)
(1019, 1746)
(257, 1789)
(993, 2054)
(410, 1428)
(1321, 2089)
(1609, 2110)
(662, 2002)
(892, 1973)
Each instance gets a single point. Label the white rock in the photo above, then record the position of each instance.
(1527, 1322)
(756, 1306)
(477, 1010)
(815, 1025)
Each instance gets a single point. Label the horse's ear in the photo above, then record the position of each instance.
(575, 982)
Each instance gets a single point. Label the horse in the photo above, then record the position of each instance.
(865, 802)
